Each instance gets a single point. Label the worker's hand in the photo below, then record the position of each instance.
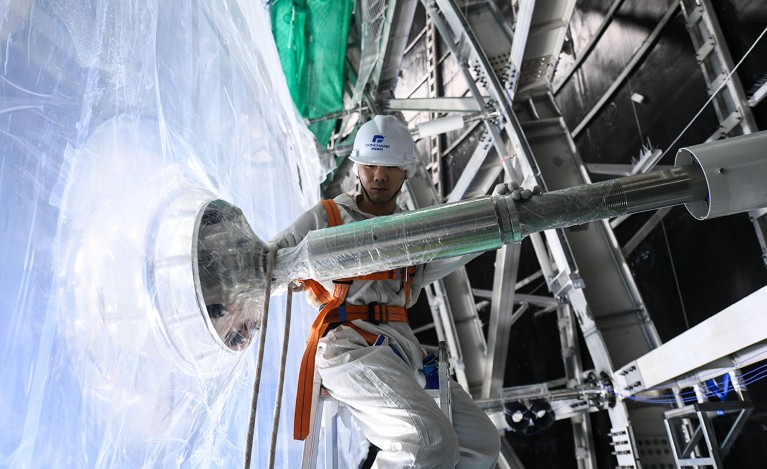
(517, 192)
(312, 298)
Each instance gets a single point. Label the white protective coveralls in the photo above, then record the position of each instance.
(384, 391)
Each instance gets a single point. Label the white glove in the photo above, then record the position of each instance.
(517, 192)
(312, 298)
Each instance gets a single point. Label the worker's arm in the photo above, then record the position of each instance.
(313, 219)
(434, 271)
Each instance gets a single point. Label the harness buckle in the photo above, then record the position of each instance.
(374, 318)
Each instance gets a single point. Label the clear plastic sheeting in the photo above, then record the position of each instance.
(119, 122)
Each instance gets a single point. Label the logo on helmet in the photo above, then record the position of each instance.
(377, 144)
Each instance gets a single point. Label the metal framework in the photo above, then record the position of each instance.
(507, 70)
(724, 86)
(688, 450)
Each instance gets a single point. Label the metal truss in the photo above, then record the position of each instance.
(724, 86)
(504, 148)
(687, 449)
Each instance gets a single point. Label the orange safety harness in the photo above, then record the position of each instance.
(334, 310)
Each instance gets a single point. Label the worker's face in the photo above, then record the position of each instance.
(381, 182)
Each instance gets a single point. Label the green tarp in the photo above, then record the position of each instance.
(311, 38)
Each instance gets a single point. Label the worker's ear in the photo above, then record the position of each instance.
(355, 169)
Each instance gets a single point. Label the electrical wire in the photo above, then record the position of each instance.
(673, 272)
(746, 379)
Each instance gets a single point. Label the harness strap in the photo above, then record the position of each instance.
(334, 311)
(334, 219)
(334, 214)
(334, 314)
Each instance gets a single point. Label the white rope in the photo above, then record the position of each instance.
(711, 98)
(260, 358)
(281, 381)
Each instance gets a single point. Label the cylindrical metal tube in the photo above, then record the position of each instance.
(477, 225)
(407, 238)
(440, 126)
(735, 170)
(582, 392)
(608, 199)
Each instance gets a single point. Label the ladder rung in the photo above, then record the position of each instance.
(717, 82)
(705, 49)
(695, 15)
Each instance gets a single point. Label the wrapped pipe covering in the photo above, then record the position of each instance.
(477, 225)
(381, 243)
(119, 123)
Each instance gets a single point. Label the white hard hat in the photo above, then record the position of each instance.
(384, 141)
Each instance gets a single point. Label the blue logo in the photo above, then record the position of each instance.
(378, 138)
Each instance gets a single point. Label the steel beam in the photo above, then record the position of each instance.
(635, 60)
(729, 331)
(758, 95)
(606, 21)
(399, 20)
(501, 308)
(442, 104)
(645, 230)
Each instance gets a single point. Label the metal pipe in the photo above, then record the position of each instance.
(477, 225)
(582, 392)
(608, 199)
(713, 179)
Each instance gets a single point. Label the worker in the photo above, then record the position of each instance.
(361, 344)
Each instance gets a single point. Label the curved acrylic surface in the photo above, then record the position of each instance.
(118, 121)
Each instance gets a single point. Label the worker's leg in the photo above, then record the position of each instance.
(478, 438)
(390, 405)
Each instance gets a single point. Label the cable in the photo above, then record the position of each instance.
(260, 358)
(281, 380)
(711, 98)
(746, 379)
(673, 272)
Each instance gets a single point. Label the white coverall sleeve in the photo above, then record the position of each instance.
(434, 271)
(313, 219)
